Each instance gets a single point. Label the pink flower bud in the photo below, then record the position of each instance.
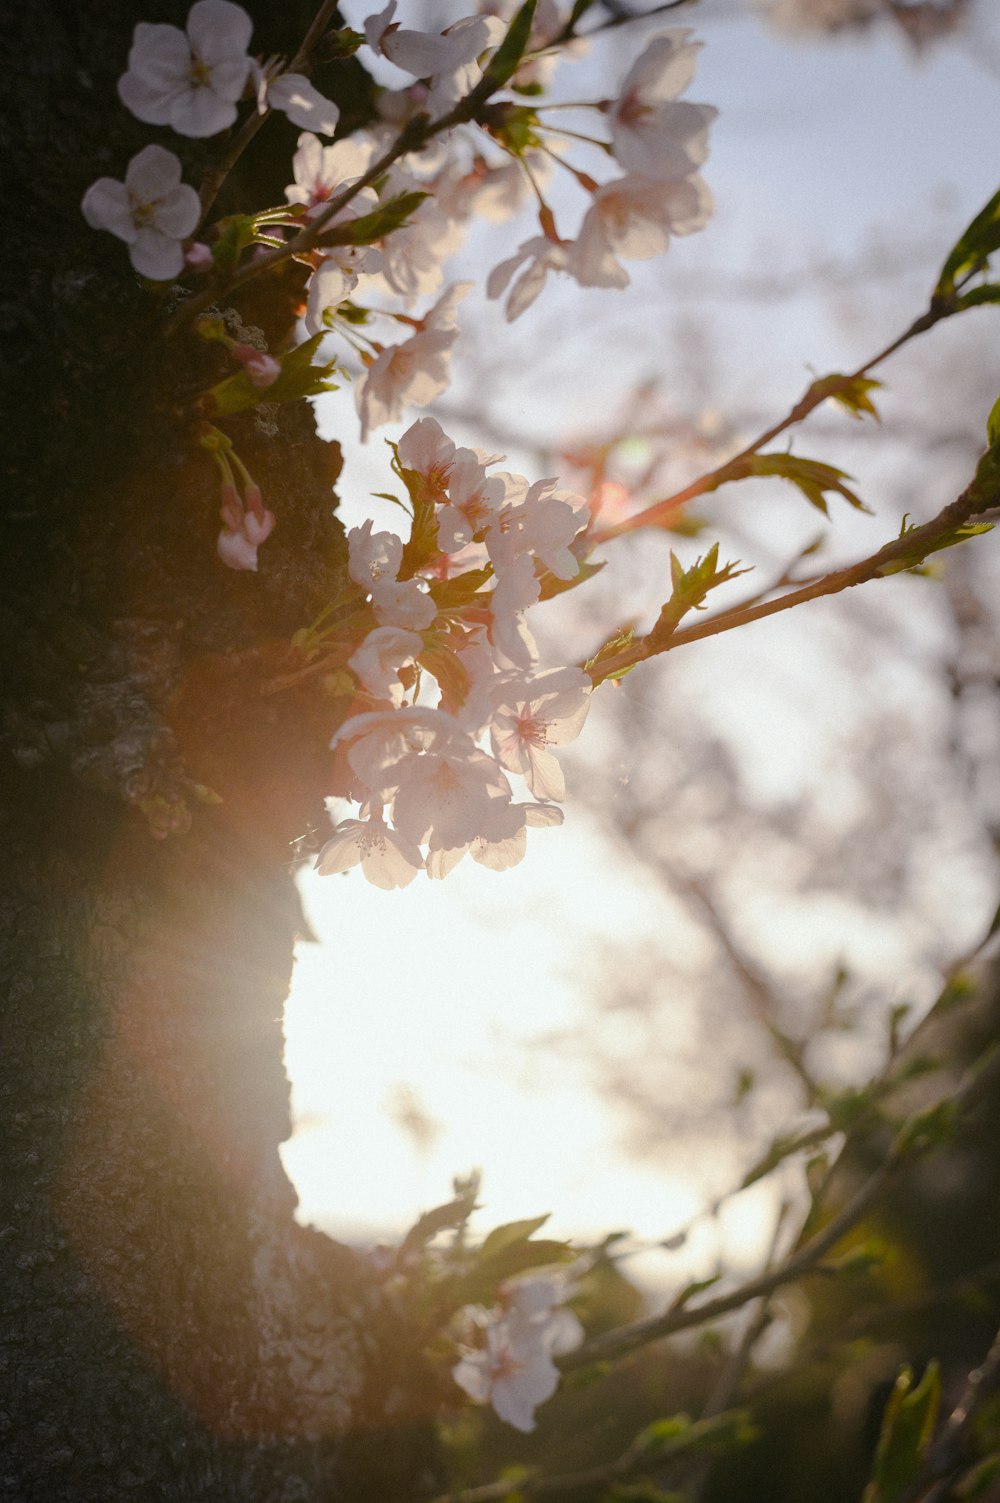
(199, 256)
(257, 528)
(262, 369)
(231, 509)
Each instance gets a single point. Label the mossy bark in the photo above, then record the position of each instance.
(169, 1331)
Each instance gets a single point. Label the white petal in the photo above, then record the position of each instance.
(106, 206)
(295, 96)
(149, 103)
(218, 29)
(152, 174)
(200, 113)
(545, 777)
(158, 257)
(178, 212)
(342, 850)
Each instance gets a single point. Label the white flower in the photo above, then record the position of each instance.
(387, 858)
(152, 211)
(379, 658)
(651, 133)
(542, 256)
(635, 217)
(500, 844)
(322, 171)
(372, 556)
(446, 797)
(404, 604)
(515, 1377)
(534, 713)
(191, 82)
(515, 1371)
(412, 373)
(427, 449)
(295, 96)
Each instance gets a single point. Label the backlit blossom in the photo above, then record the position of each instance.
(513, 1369)
(387, 858)
(538, 257)
(533, 714)
(652, 133)
(301, 101)
(634, 217)
(191, 81)
(378, 660)
(413, 373)
(152, 211)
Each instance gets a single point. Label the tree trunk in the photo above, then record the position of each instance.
(170, 1332)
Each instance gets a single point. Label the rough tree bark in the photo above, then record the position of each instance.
(169, 1332)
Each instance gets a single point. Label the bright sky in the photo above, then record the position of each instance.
(424, 1030)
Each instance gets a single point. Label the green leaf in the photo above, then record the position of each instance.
(679, 1436)
(511, 1232)
(780, 1148)
(480, 1284)
(974, 1482)
(690, 587)
(505, 61)
(698, 1286)
(913, 560)
(339, 44)
(550, 585)
(450, 672)
(454, 1213)
(988, 293)
(972, 248)
(374, 226)
(233, 235)
(813, 478)
(299, 378)
(453, 594)
(993, 424)
(907, 1430)
(850, 391)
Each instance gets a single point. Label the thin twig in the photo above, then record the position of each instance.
(662, 512)
(618, 1343)
(980, 496)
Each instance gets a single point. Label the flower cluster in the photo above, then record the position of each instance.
(451, 602)
(507, 1357)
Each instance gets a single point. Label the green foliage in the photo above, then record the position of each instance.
(851, 392)
(391, 215)
(448, 1217)
(948, 539)
(813, 478)
(978, 1479)
(339, 44)
(907, 1430)
(642, 1491)
(971, 252)
(234, 235)
(690, 589)
(615, 644)
(454, 594)
(299, 378)
(993, 424)
(506, 60)
(680, 1436)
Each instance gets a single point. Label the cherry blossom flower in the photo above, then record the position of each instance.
(190, 82)
(262, 369)
(428, 54)
(446, 797)
(651, 132)
(152, 211)
(514, 1370)
(515, 1377)
(427, 449)
(533, 714)
(404, 604)
(387, 858)
(414, 372)
(538, 256)
(378, 660)
(500, 844)
(635, 217)
(301, 101)
(372, 556)
(321, 171)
